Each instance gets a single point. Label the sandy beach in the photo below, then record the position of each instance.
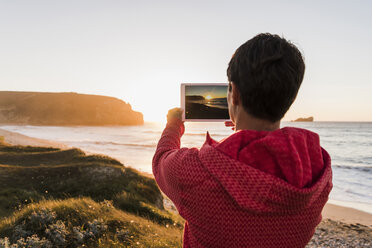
(346, 215)
(340, 224)
(14, 138)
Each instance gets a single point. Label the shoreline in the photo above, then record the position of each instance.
(346, 215)
(332, 210)
(14, 138)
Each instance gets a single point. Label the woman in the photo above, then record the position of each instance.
(263, 186)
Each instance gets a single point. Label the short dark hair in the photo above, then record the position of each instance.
(268, 71)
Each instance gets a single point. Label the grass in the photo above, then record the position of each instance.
(80, 193)
(119, 228)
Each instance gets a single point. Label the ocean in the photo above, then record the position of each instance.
(348, 143)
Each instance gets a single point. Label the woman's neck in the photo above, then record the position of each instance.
(246, 121)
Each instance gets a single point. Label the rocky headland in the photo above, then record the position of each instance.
(61, 109)
(308, 119)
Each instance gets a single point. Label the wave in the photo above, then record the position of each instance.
(120, 144)
(141, 145)
(354, 192)
(214, 105)
(157, 132)
(195, 134)
(204, 134)
(359, 168)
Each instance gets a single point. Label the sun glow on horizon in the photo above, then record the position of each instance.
(208, 97)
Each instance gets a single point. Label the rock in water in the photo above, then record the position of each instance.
(308, 119)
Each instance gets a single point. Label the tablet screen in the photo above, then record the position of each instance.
(205, 102)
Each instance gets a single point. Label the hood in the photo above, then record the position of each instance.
(285, 170)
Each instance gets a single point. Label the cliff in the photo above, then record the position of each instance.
(195, 98)
(58, 109)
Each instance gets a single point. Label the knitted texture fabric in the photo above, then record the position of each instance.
(252, 189)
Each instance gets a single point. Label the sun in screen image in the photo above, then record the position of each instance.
(206, 102)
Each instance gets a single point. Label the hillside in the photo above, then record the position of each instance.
(64, 198)
(39, 108)
(194, 98)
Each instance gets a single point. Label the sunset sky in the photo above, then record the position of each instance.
(140, 51)
(212, 91)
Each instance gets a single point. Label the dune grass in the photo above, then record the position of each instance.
(48, 195)
(76, 221)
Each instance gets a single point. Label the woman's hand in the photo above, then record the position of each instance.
(175, 113)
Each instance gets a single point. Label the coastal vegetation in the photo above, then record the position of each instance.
(64, 198)
(67, 108)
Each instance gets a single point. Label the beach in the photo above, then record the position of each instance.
(340, 225)
(14, 138)
(203, 111)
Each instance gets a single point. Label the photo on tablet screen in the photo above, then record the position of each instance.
(206, 102)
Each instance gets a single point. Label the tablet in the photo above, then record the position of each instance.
(204, 102)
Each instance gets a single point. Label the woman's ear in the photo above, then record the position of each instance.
(235, 94)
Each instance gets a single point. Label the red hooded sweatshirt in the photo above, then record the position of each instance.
(252, 189)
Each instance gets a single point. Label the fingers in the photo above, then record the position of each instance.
(175, 113)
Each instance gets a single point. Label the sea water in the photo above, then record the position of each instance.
(348, 143)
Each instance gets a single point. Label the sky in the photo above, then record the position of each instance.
(213, 91)
(141, 51)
